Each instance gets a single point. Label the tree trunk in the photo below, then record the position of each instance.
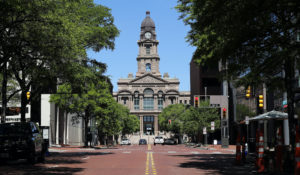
(289, 76)
(23, 106)
(86, 122)
(3, 92)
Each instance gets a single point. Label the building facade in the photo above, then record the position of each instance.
(147, 93)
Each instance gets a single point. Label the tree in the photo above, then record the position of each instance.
(242, 111)
(41, 38)
(195, 119)
(254, 39)
(170, 119)
(180, 119)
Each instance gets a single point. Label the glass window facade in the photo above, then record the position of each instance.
(148, 67)
(148, 103)
(136, 103)
(160, 103)
(148, 49)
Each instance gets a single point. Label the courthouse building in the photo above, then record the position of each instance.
(147, 93)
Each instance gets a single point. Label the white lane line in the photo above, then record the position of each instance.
(195, 153)
(171, 152)
(216, 153)
(127, 152)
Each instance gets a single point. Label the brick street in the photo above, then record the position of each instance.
(133, 160)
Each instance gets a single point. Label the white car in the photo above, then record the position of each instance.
(125, 142)
(158, 140)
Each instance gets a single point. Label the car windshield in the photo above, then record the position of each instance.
(158, 137)
(14, 129)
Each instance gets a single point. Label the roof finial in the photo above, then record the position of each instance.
(147, 13)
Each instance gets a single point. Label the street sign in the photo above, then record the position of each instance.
(204, 130)
(247, 120)
(212, 124)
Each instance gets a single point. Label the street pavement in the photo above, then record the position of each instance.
(134, 160)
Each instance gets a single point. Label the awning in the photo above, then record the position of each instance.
(272, 115)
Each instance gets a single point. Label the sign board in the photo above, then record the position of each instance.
(212, 125)
(45, 133)
(204, 130)
(247, 120)
(215, 142)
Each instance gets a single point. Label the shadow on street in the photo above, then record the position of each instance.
(57, 163)
(218, 163)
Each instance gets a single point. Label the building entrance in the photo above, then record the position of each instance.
(148, 122)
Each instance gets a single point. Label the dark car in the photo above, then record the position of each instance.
(143, 142)
(169, 142)
(21, 140)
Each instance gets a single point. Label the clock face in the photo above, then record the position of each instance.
(147, 35)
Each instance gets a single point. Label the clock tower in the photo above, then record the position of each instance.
(148, 59)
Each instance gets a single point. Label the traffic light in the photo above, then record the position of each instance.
(28, 95)
(248, 92)
(196, 102)
(261, 101)
(224, 113)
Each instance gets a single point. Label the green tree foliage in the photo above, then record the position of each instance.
(256, 39)
(242, 111)
(174, 114)
(40, 39)
(187, 119)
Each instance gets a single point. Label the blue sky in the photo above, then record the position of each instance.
(175, 53)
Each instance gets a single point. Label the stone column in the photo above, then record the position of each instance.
(141, 103)
(141, 125)
(156, 125)
(166, 101)
(129, 102)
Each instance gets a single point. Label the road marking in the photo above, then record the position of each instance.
(171, 151)
(150, 159)
(85, 158)
(216, 153)
(195, 152)
(127, 152)
(149, 147)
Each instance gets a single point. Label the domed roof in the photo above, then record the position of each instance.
(148, 22)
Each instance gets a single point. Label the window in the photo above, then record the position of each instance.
(180, 101)
(148, 103)
(160, 103)
(148, 119)
(148, 99)
(125, 101)
(136, 103)
(184, 101)
(148, 67)
(147, 49)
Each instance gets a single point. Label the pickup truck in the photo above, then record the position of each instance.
(21, 140)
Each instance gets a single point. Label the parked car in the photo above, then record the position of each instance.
(158, 140)
(125, 142)
(169, 142)
(21, 140)
(143, 142)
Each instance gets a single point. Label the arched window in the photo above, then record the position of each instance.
(148, 92)
(148, 67)
(148, 99)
